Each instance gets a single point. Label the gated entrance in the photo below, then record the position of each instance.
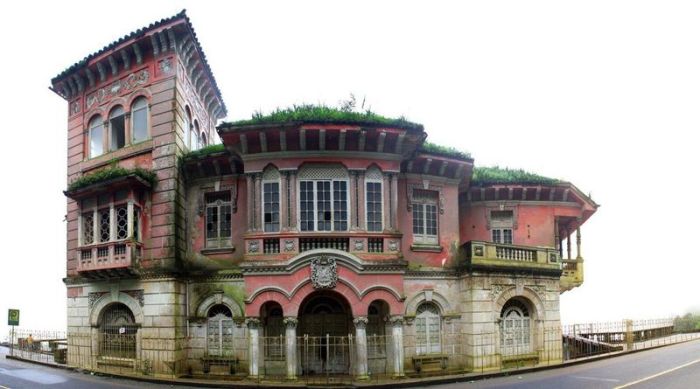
(325, 344)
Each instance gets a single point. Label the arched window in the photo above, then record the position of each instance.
(188, 127)
(139, 120)
(117, 332)
(194, 135)
(271, 199)
(273, 326)
(219, 330)
(117, 129)
(427, 329)
(515, 328)
(373, 199)
(96, 137)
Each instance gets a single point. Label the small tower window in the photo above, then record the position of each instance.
(117, 129)
(139, 120)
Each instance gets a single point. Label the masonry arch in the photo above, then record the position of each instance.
(98, 309)
(428, 296)
(216, 299)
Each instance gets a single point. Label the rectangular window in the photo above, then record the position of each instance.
(105, 225)
(218, 219)
(425, 220)
(323, 205)
(374, 206)
(103, 221)
(502, 227)
(88, 228)
(271, 206)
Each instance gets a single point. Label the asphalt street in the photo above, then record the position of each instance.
(672, 367)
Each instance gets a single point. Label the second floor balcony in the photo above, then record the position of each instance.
(489, 256)
(108, 259)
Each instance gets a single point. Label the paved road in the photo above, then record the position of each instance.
(673, 367)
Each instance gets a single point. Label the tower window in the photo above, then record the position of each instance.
(117, 129)
(139, 120)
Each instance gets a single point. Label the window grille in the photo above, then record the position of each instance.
(104, 225)
(306, 244)
(120, 249)
(374, 206)
(427, 329)
(218, 219)
(88, 228)
(102, 252)
(117, 332)
(85, 254)
(122, 222)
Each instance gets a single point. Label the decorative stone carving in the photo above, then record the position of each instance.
(359, 244)
(426, 186)
(253, 246)
(496, 290)
(165, 65)
(252, 322)
(290, 322)
(125, 84)
(324, 273)
(519, 286)
(360, 322)
(396, 320)
(393, 245)
(93, 297)
(137, 295)
(289, 245)
(539, 289)
(75, 108)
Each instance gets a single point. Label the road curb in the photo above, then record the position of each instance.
(404, 383)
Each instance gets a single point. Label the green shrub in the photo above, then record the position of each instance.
(111, 173)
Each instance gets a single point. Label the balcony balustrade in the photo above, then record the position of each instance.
(494, 256)
(108, 256)
(284, 245)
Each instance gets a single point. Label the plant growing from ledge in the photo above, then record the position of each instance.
(445, 151)
(497, 175)
(314, 113)
(111, 173)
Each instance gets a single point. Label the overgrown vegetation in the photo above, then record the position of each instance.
(205, 151)
(687, 323)
(325, 114)
(498, 175)
(446, 151)
(111, 173)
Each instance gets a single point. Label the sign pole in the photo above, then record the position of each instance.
(12, 342)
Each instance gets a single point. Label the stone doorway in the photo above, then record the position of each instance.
(324, 334)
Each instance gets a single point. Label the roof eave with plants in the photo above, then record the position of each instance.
(215, 150)
(445, 151)
(110, 176)
(317, 114)
(485, 176)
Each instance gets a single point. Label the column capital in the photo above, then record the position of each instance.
(396, 320)
(360, 322)
(252, 322)
(290, 322)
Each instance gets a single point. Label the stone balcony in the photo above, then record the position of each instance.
(489, 256)
(571, 275)
(108, 259)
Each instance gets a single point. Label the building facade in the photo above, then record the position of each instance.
(276, 247)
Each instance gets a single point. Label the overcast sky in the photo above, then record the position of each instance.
(604, 94)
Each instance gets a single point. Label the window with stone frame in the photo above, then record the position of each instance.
(218, 219)
(425, 217)
(373, 200)
(139, 120)
(323, 198)
(502, 227)
(109, 217)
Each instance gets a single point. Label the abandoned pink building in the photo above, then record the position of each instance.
(309, 241)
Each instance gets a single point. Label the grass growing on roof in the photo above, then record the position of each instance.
(323, 114)
(446, 151)
(111, 173)
(204, 151)
(499, 175)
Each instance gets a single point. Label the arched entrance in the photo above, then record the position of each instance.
(516, 334)
(325, 323)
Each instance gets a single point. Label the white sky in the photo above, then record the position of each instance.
(604, 94)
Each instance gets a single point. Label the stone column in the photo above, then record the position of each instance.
(568, 244)
(397, 340)
(394, 201)
(290, 334)
(354, 198)
(578, 243)
(292, 179)
(253, 346)
(257, 211)
(361, 347)
(284, 201)
(250, 196)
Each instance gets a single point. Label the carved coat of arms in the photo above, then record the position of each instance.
(324, 274)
